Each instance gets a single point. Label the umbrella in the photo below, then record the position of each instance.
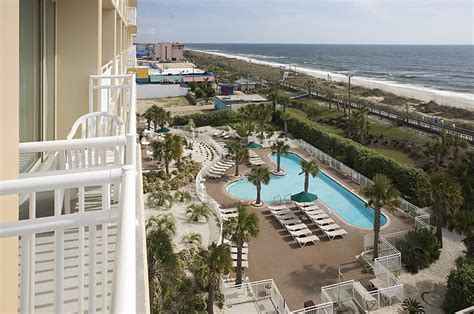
(254, 145)
(304, 197)
(163, 130)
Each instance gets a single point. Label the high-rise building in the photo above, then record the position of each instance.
(167, 52)
(69, 192)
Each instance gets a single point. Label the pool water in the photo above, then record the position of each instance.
(347, 205)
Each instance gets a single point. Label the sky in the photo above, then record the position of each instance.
(307, 21)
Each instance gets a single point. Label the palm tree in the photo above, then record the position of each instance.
(208, 266)
(412, 306)
(309, 84)
(273, 95)
(160, 199)
(279, 148)
(445, 195)
(182, 196)
(308, 167)
(239, 230)
(284, 101)
(163, 264)
(247, 121)
(436, 150)
(177, 143)
(165, 150)
(258, 176)
(196, 211)
(361, 122)
(380, 194)
(263, 114)
(239, 153)
(330, 98)
(162, 117)
(192, 240)
(148, 115)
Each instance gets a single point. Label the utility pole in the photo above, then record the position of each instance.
(350, 106)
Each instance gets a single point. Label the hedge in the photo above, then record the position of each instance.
(213, 118)
(356, 156)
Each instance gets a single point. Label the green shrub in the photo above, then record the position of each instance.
(419, 249)
(412, 306)
(460, 293)
(356, 156)
(213, 118)
(199, 93)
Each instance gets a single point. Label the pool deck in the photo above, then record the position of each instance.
(301, 272)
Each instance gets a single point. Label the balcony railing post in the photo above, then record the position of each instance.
(124, 295)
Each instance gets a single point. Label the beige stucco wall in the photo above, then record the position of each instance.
(78, 56)
(9, 138)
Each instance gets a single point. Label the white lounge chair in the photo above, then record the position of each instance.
(335, 233)
(293, 221)
(227, 241)
(322, 222)
(281, 212)
(286, 216)
(303, 240)
(245, 257)
(228, 210)
(277, 207)
(330, 227)
(216, 171)
(315, 213)
(245, 250)
(245, 264)
(217, 167)
(304, 204)
(301, 232)
(311, 207)
(228, 216)
(296, 227)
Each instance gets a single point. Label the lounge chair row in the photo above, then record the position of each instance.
(295, 227)
(326, 224)
(233, 254)
(254, 159)
(223, 134)
(219, 169)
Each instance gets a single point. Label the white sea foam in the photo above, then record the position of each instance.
(448, 98)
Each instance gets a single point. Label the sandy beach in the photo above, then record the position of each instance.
(446, 98)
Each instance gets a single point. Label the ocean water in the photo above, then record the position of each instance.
(449, 69)
(348, 206)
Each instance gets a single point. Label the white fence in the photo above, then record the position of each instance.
(70, 169)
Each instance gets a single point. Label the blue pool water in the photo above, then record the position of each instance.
(348, 206)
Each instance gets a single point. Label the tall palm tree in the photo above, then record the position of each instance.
(148, 115)
(177, 143)
(330, 98)
(436, 150)
(196, 211)
(192, 240)
(380, 194)
(247, 120)
(284, 101)
(239, 230)
(164, 150)
(444, 193)
(208, 266)
(361, 122)
(258, 176)
(308, 167)
(239, 153)
(263, 115)
(279, 148)
(309, 84)
(160, 199)
(273, 94)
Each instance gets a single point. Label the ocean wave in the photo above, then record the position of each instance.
(411, 90)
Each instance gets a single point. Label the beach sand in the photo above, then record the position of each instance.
(458, 100)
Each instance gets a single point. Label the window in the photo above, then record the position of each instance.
(37, 74)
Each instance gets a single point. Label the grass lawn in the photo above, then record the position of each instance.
(329, 128)
(395, 155)
(169, 102)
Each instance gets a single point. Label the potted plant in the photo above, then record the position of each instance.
(268, 289)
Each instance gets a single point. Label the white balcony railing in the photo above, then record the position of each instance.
(90, 237)
(132, 57)
(132, 16)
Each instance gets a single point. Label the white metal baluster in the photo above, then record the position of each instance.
(92, 269)
(32, 215)
(105, 206)
(25, 273)
(58, 201)
(81, 252)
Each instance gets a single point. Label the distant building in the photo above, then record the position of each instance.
(226, 88)
(166, 52)
(236, 101)
(245, 84)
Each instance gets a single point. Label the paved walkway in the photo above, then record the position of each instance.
(301, 272)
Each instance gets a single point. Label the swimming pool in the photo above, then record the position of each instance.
(347, 205)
